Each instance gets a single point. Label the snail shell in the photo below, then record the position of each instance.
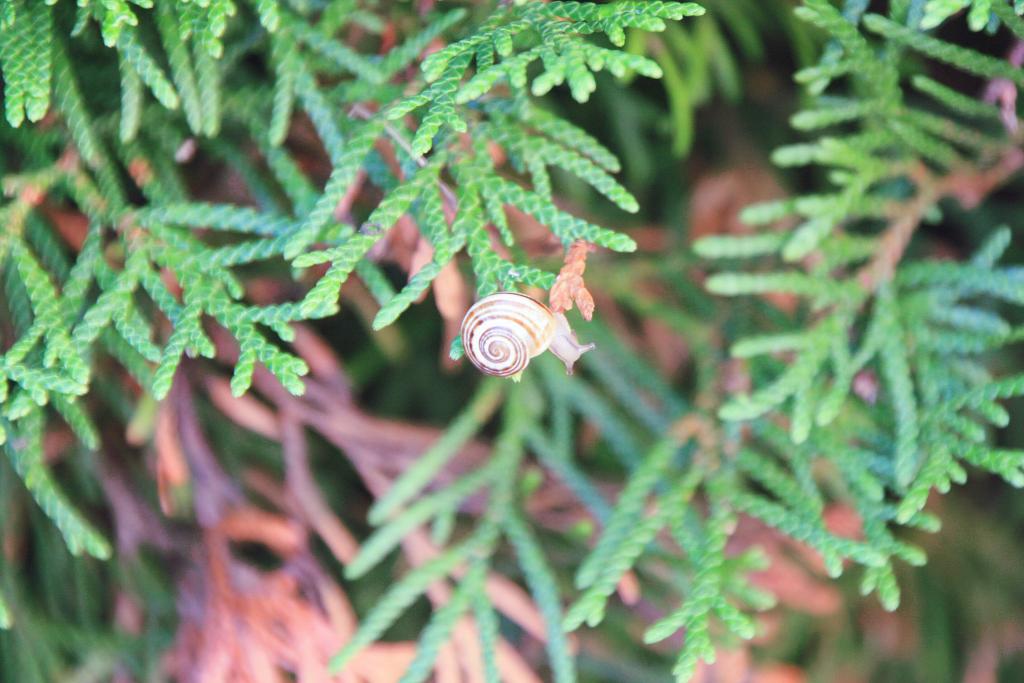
(503, 331)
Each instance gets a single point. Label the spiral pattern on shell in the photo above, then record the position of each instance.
(503, 331)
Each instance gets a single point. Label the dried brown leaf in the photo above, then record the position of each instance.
(451, 296)
(56, 442)
(467, 646)
(306, 495)
(513, 667)
(383, 662)
(796, 585)
(718, 199)
(629, 588)
(446, 667)
(251, 524)
(843, 520)
(247, 626)
(664, 346)
(422, 254)
(532, 235)
(893, 634)
(569, 287)
(779, 673)
(140, 171)
(72, 226)
(730, 666)
(515, 603)
(247, 411)
(172, 472)
(128, 613)
(317, 353)
(343, 210)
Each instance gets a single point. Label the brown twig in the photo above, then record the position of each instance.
(896, 238)
(135, 523)
(306, 493)
(215, 491)
(363, 112)
(968, 185)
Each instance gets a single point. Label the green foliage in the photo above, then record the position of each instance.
(169, 232)
(25, 453)
(980, 13)
(25, 57)
(917, 328)
(870, 387)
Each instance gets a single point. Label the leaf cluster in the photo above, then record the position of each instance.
(157, 266)
(871, 389)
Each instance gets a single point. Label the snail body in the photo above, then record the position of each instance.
(503, 331)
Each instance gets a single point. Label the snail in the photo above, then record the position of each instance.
(503, 331)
